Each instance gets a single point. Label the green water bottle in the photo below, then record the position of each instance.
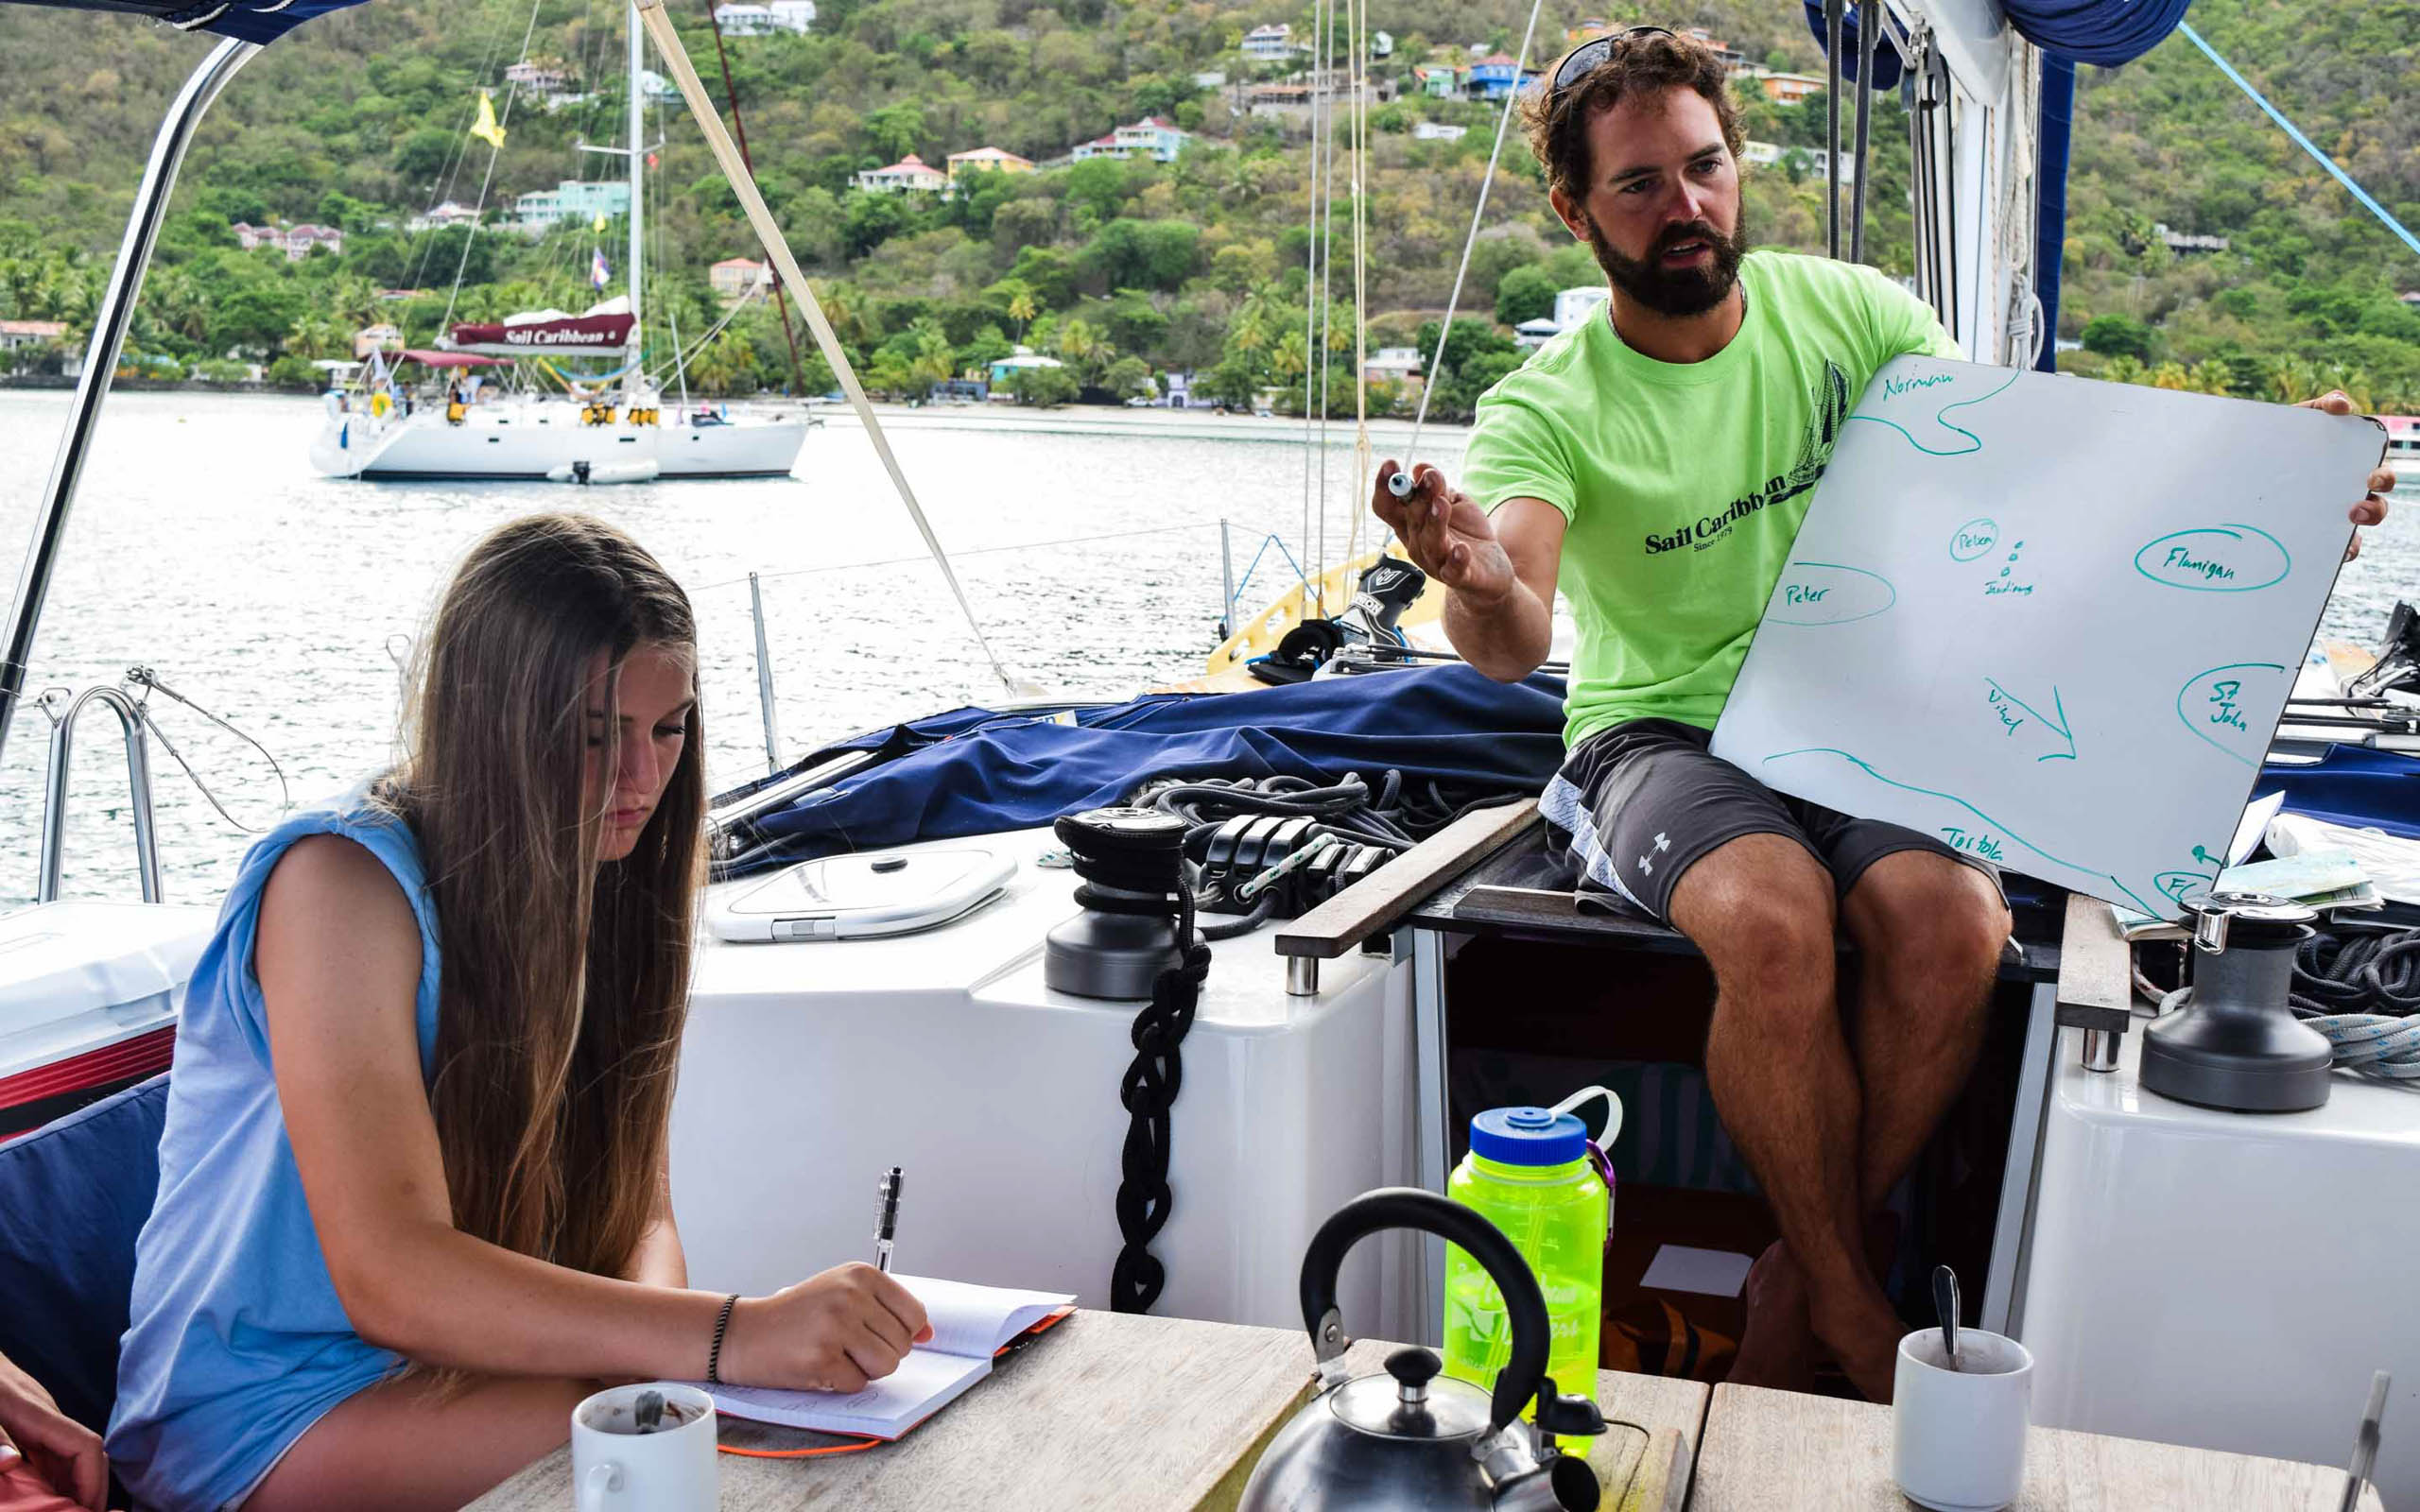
(1528, 1173)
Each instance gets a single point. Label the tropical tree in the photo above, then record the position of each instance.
(2171, 375)
(1291, 359)
(2212, 377)
(2125, 368)
(1082, 347)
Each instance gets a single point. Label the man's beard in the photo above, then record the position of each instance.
(1676, 292)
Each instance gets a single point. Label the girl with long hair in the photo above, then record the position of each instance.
(408, 1216)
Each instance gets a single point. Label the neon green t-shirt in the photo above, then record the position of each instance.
(1683, 483)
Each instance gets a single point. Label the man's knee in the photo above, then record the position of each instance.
(1924, 917)
(1761, 909)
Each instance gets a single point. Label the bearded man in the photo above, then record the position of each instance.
(1657, 462)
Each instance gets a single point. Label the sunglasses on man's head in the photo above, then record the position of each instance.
(1580, 59)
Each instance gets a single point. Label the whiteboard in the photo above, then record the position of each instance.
(2051, 621)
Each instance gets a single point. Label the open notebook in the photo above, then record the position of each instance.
(971, 1326)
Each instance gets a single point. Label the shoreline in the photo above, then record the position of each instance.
(1066, 420)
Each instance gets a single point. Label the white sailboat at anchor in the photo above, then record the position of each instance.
(623, 437)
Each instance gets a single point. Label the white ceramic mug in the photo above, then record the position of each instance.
(613, 1465)
(1958, 1436)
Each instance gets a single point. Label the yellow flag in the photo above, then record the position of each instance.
(485, 127)
(600, 223)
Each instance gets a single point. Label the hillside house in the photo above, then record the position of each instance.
(1150, 137)
(733, 277)
(909, 174)
(294, 241)
(1268, 45)
(986, 159)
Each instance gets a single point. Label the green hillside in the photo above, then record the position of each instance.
(1124, 269)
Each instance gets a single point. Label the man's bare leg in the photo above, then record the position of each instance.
(1929, 931)
(1777, 1062)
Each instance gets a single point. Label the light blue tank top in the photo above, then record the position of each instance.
(237, 1342)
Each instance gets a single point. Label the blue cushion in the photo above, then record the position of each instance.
(75, 1193)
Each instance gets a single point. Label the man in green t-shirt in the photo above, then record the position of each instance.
(1657, 462)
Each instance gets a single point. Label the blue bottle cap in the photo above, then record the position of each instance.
(1529, 1136)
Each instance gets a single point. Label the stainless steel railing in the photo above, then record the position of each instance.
(138, 777)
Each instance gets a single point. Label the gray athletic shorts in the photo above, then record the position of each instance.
(1637, 805)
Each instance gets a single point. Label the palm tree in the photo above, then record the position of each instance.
(1083, 348)
(1023, 307)
(2297, 379)
(1292, 357)
(2171, 375)
(2210, 376)
(2125, 368)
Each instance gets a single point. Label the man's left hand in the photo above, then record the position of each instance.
(2372, 510)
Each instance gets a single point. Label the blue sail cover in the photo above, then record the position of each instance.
(256, 21)
(976, 771)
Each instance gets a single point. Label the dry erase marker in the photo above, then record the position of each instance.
(887, 1222)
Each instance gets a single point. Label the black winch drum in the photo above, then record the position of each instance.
(2235, 1044)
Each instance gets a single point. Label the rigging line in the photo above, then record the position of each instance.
(504, 118)
(1323, 68)
(1310, 311)
(442, 185)
(1358, 39)
(752, 201)
(739, 129)
(979, 551)
(682, 359)
(2300, 141)
(1478, 215)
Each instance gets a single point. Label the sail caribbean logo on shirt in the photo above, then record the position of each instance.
(1830, 404)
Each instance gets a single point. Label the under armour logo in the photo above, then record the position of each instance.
(1647, 863)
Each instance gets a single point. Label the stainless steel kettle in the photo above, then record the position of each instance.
(1409, 1438)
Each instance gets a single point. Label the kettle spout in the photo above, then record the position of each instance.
(1563, 1484)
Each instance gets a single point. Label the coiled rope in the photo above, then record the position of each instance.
(2361, 988)
(1398, 816)
(1141, 875)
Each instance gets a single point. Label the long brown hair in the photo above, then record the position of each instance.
(564, 983)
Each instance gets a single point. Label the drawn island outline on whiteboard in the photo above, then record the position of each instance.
(2103, 484)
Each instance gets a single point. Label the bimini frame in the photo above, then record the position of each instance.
(100, 360)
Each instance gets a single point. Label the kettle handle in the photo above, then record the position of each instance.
(1372, 1213)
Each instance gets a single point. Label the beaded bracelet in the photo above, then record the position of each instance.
(722, 1325)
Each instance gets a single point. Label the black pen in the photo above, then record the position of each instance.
(889, 1221)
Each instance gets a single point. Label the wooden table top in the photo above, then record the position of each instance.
(1134, 1413)
(1781, 1451)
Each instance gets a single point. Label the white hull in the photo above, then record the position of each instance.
(534, 440)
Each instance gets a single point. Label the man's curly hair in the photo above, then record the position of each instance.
(1557, 120)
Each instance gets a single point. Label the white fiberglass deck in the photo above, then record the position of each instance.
(2226, 1281)
(810, 1068)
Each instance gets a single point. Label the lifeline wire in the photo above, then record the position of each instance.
(668, 43)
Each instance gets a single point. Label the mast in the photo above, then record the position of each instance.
(637, 141)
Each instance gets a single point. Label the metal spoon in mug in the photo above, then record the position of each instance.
(1944, 1301)
(649, 1411)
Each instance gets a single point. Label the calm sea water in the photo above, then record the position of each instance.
(203, 546)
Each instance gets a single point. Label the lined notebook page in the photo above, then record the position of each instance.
(969, 1325)
(978, 1320)
(924, 1383)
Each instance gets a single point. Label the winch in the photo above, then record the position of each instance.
(2231, 1042)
